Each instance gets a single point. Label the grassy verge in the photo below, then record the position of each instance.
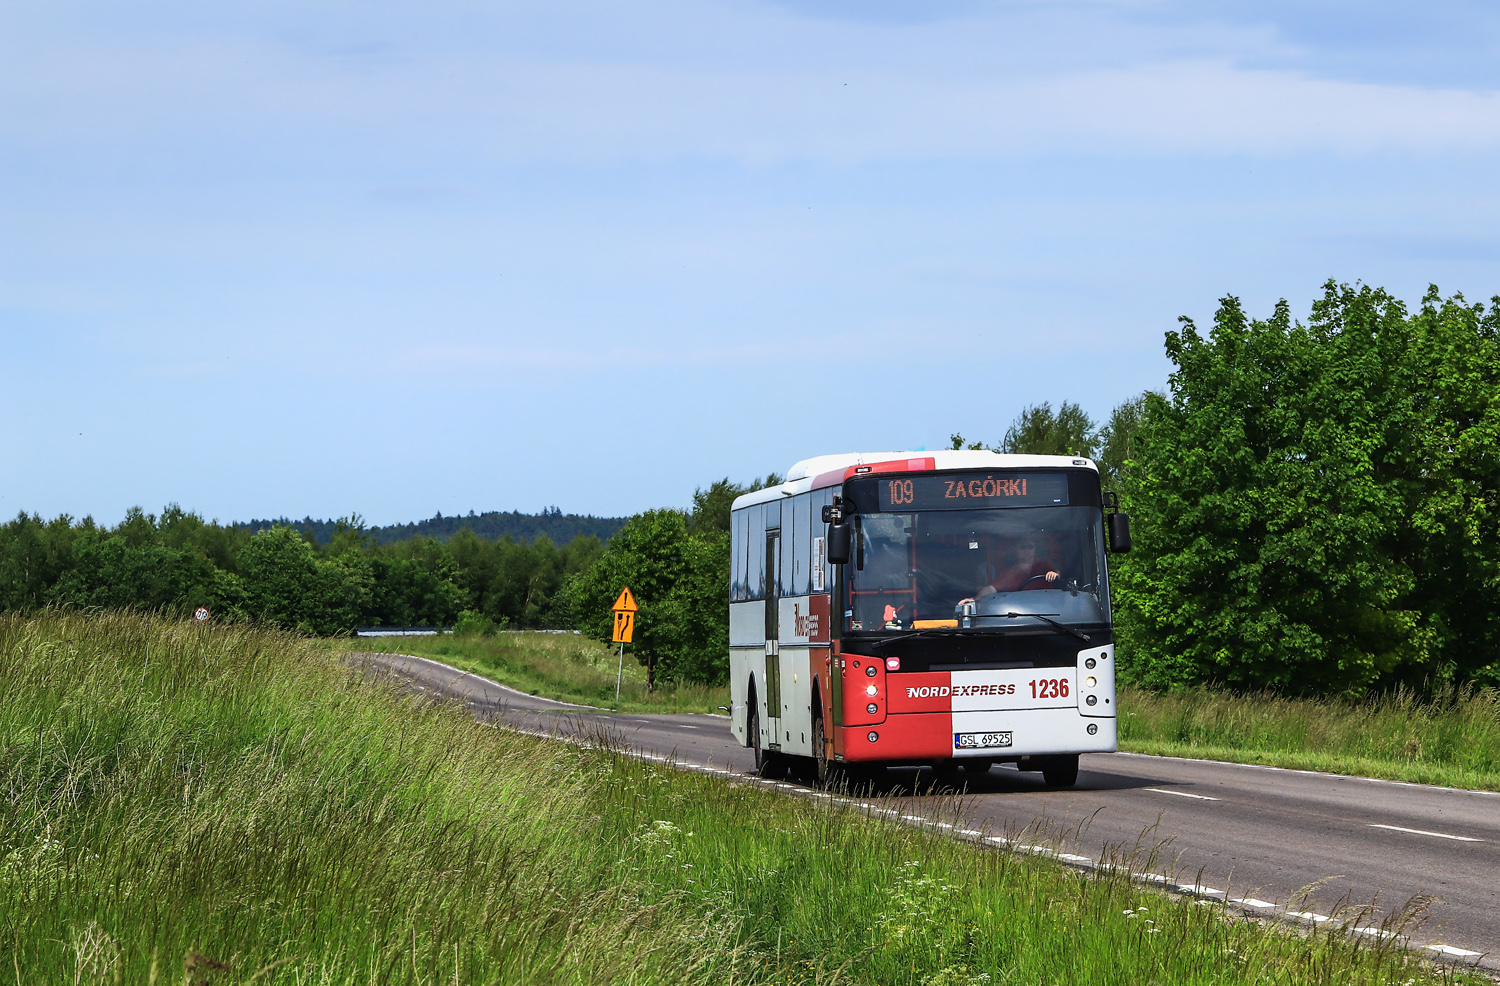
(1453, 739)
(563, 666)
(232, 806)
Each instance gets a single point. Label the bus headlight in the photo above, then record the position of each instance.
(870, 671)
(872, 708)
(1090, 682)
(873, 736)
(1093, 728)
(871, 690)
(1091, 700)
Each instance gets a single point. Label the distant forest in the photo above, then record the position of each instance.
(551, 523)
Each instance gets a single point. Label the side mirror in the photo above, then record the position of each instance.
(833, 513)
(1119, 532)
(840, 541)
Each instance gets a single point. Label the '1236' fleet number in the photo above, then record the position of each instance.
(1050, 688)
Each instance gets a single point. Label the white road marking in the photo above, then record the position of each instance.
(1181, 794)
(1201, 891)
(1436, 835)
(1450, 950)
(1308, 916)
(1252, 902)
(1311, 773)
(1072, 858)
(506, 688)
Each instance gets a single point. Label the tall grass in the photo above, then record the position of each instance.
(564, 666)
(1451, 738)
(229, 806)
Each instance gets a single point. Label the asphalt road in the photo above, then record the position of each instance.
(1252, 834)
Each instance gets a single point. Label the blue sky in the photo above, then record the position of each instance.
(321, 257)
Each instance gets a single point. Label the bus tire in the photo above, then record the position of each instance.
(1061, 771)
(768, 763)
(827, 773)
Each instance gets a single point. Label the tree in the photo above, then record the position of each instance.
(1038, 431)
(681, 583)
(1315, 505)
(712, 507)
(1116, 440)
(286, 583)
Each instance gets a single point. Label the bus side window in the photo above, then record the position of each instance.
(755, 552)
(789, 538)
(737, 565)
(774, 584)
(808, 523)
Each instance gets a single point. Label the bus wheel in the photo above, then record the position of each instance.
(767, 763)
(1061, 771)
(828, 773)
(752, 733)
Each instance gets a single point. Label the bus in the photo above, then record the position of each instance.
(946, 609)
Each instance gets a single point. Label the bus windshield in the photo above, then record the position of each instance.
(926, 567)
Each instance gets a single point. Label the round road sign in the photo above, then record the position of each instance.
(201, 613)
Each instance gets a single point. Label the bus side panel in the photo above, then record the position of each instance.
(747, 624)
(796, 701)
(747, 657)
(739, 684)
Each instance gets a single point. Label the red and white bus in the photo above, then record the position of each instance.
(925, 608)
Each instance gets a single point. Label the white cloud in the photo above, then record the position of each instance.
(751, 85)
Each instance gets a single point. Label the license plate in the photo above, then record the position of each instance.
(979, 741)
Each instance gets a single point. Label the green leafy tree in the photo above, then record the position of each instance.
(1315, 505)
(681, 583)
(34, 556)
(285, 582)
(1037, 430)
(1116, 440)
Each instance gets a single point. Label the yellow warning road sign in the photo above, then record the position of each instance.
(624, 610)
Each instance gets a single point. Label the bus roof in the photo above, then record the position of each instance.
(831, 470)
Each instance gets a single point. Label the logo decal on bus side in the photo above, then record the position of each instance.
(934, 691)
(806, 624)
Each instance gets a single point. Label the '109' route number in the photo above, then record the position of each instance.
(1050, 688)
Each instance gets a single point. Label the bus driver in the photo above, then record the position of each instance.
(1026, 572)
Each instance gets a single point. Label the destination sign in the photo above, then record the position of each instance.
(971, 491)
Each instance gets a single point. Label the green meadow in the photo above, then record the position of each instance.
(222, 805)
(1450, 738)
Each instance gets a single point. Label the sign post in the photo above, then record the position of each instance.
(624, 610)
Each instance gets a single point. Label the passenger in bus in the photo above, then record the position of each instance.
(1026, 571)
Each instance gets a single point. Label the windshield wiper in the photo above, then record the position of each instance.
(926, 632)
(1048, 620)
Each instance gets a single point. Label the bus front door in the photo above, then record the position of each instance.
(773, 640)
